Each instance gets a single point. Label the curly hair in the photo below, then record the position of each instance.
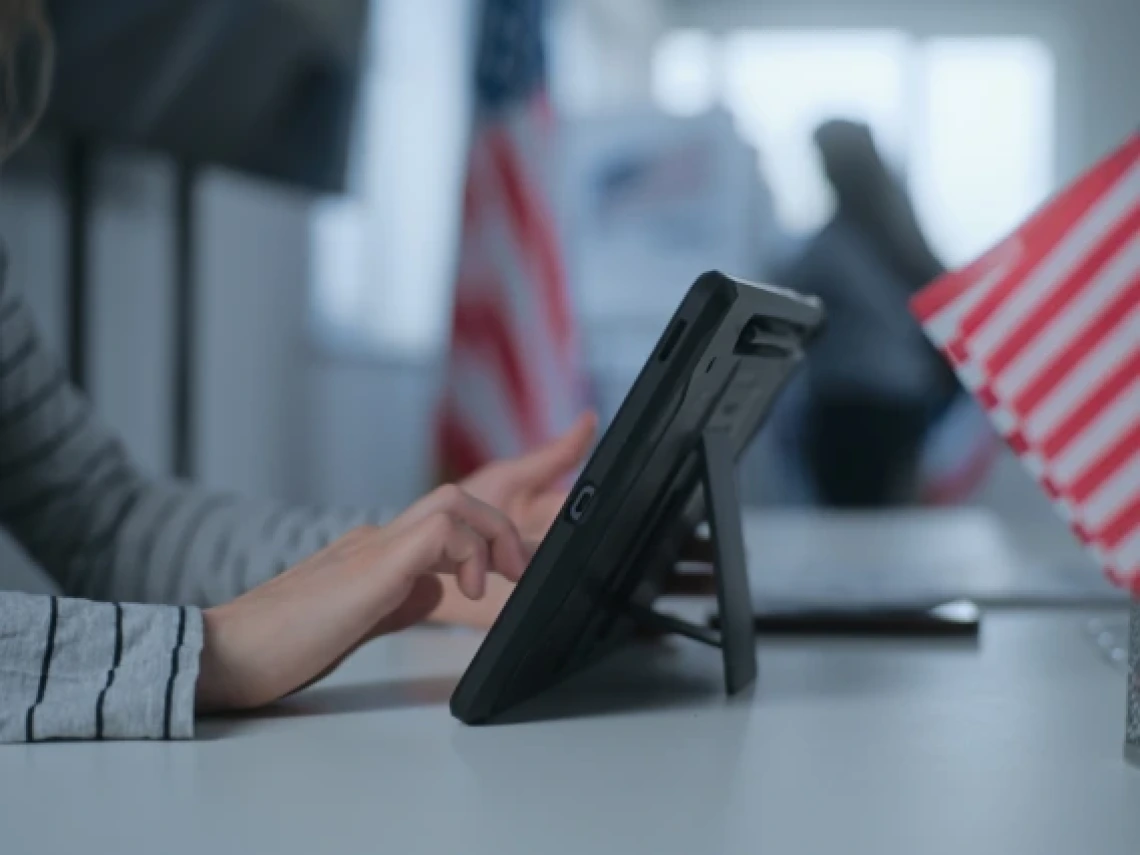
(25, 69)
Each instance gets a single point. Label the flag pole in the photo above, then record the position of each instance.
(1132, 728)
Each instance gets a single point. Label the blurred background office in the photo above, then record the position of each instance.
(242, 222)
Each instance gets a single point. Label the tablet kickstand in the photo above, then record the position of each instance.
(737, 634)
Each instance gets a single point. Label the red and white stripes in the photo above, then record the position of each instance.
(512, 377)
(1045, 330)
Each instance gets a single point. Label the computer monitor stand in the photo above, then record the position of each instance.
(736, 636)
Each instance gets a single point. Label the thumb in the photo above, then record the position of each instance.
(422, 600)
(544, 466)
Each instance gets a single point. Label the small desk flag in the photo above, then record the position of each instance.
(1044, 329)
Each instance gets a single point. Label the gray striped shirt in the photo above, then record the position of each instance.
(105, 660)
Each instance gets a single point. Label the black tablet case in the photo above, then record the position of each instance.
(669, 454)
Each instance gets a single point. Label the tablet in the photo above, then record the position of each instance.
(695, 406)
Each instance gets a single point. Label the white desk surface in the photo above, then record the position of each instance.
(1010, 746)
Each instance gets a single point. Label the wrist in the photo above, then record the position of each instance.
(213, 693)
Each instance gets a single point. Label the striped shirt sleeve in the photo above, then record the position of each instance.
(108, 534)
(77, 669)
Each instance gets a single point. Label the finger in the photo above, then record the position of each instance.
(508, 556)
(544, 467)
(423, 598)
(457, 610)
(472, 571)
(510, 559)
(464, 553)
(542, 513)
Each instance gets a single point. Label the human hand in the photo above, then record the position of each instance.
(695, 580)
(299, 626)
(531, 489)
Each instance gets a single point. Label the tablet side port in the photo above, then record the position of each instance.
(581, 503)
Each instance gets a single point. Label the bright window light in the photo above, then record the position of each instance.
(969, 120)
(684, 74)
(781, 85)
(982, 155)
(383, 261)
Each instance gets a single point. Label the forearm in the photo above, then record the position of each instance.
(178, 544)
(103, 529)
(109, 533)
(75, 669)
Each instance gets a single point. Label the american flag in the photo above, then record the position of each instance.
(512, 378)
(1045, 330)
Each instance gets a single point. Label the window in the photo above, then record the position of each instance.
(383, 257)
(685, 72)
(968, 119)
(780, 86)
(982, 154)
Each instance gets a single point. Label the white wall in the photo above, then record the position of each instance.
(369, 426)
(252, 276)
(600, 58)
(131, 252)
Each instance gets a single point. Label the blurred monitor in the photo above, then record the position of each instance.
(265, 87)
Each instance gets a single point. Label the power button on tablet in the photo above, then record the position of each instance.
(581, 503)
